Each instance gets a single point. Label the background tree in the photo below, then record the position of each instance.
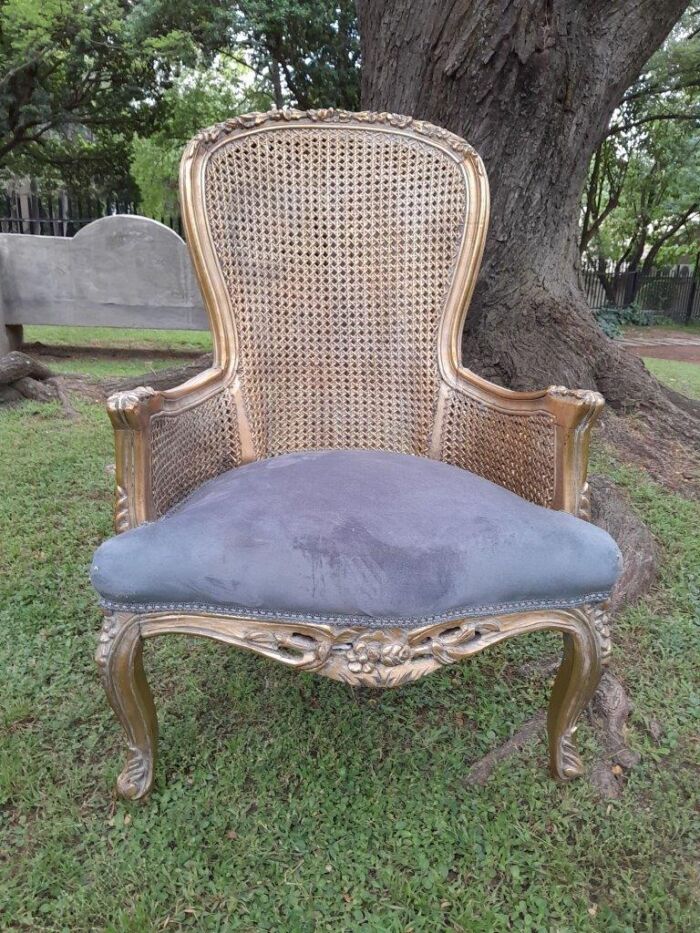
(303, 53)
(200, 96)
(101, 97)
(250, 55)
(606, 181)
(640, 205)
(657, 202)
(74, 86)
(308, 50)
(533, 85)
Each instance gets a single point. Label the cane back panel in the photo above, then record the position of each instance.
(337, 244)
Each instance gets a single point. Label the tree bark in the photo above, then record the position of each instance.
(15, 365)
(34, 389)
(640, 554)
(532, 85)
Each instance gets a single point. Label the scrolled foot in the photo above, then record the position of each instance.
(566, 762)
(136, 779)
(574, 686)
(119, 658)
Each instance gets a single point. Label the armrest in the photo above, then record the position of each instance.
(169, 443)
(533, 443)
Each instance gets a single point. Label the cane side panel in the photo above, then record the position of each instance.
(517, 451)
(189, 447)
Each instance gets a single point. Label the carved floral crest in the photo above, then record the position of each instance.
(212, 134)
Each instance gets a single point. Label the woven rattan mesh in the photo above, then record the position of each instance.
(337, 247)
(191, 447)
(515, 451)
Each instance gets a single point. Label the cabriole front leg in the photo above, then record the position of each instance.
(120, 660)
(575, 684)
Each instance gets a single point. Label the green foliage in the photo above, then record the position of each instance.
(73, 88)
(267, 52)
(288, 802)
(91, 92)
(660, 201)
(199, 97)
(307, 51)
(642, 201)
(612, 319)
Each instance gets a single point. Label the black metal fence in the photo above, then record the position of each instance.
(674, 295)
(63, 216)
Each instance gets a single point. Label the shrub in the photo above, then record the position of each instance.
(611, 318)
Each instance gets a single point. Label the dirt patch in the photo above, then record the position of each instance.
(84, 386)
(109, 353)
(683, 354)
(663, 344)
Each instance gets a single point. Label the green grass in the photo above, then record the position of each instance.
(663, 324)
(683, 377)
(119, 337)
(101, 368)
(286, 802)
(669, 324)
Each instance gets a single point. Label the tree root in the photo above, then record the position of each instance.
(669, 459)
(557, 341)
(16, 365)
(481, 771)
(610, 706)
(163, 379)
(68, 408)
(609, 712)
(612, 511)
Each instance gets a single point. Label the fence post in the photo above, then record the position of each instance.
(691, 298)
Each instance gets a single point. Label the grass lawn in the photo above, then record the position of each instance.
(692, 328)
(286, 802)
(119, 337)
(683, 377)
(102, 368)
(100, 365)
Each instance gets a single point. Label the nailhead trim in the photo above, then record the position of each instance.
(367, 621)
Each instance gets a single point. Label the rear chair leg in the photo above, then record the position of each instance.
(573, 689)
(120, 660)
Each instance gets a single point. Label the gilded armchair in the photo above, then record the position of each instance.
(337, 493)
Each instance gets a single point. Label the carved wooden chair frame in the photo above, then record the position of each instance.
(354, 655)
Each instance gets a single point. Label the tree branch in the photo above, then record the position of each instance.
(23, 66)
(652, 118)
(680, 221)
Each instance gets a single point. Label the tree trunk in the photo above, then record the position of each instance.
(608, 282)
(532, 85)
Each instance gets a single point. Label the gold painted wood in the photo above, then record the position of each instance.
(373, 372)
(380, 658)
(119, 658)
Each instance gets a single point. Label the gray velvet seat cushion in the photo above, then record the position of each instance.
(356, 536)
